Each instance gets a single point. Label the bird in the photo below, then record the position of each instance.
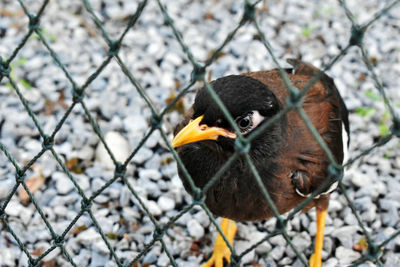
(290, 162)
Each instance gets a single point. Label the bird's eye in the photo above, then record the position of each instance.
(248, 122)
(245, 123)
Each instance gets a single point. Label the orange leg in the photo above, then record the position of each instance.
(316, 258)
(221, 250)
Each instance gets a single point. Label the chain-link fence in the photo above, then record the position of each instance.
(373, 250)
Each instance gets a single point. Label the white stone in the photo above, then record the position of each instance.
(64, 185)
(166, 203)
(119, 147)
(195, 229)
(149, 174)
(88, 236)
(153, 207)
(346, 255)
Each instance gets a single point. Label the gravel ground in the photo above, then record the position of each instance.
(313, 31)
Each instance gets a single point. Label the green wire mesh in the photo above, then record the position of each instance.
(198, 74)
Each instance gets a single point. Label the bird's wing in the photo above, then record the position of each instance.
(302, 159)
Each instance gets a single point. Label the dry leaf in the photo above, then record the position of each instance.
(61, 100)
(38, 252)
(194, 249)
(210, 73)
(219, 55)
(72, 165)
(179, 105)
(7, 13)
(49, 107)
(79, 229)
(33, 184)
(135, 226)
(361, 245)
(50, 263)
(209, 16)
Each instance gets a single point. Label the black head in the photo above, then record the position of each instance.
(246, 99)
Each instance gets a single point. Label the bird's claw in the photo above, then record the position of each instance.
(221, 249)
(217, 258)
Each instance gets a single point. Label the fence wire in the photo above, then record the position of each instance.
(294, 102)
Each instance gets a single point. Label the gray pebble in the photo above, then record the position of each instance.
(64, 185)
(270, 263)
(149, 174)
(346, 255)
(166, 203)
(195, 229)
(301, 242)
(277, 252)
(278, 240)
(152, 255)
(285, 261)
(163, 260)
(124, 196)
(88, 237)
(345, 235)
(98, 259)
(100, 246)
(142, 155)
(82, 259)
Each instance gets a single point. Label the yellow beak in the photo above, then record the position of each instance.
(194, 132)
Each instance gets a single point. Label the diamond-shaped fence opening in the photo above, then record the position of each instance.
(87, 173)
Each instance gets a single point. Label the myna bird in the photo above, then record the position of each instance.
(288, 159)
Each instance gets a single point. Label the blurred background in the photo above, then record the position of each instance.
(153, 60)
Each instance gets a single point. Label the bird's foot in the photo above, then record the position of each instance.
(315, 260)
(221, 249)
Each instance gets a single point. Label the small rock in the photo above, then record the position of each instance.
(142, 155)
(278, 240)
(124, 196)
(195, 229)
(363, 203)
(82, 259)
(97, 183)
(262, 248)
(240, 247)
(285, 261)
(5, 188)
(64, 185)
(153, 208)
(118, 146)
(152, 255)
(163, 260)
(345, 235)
(166, 203)
(100, 247)
(135, 124)
(270, 263)
(88, 236)
(202, 218)
(301, 242)
(98, 259)
(149, 174)
(332, 262)
(361, 179)
(7, 256)
(14, 208)
(346, 255)
(277, 252)
(391, 217)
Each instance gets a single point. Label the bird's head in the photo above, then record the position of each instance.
(248, 101)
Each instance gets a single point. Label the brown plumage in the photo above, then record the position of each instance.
(290, 162)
